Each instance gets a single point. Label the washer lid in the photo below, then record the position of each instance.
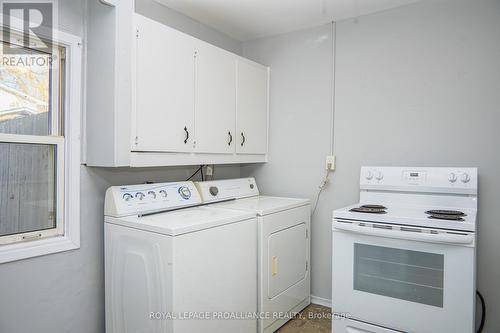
(264, 205)
(183, 221)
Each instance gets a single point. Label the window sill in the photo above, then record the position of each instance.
(13, 252)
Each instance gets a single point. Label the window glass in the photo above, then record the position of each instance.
(25, 93)
(404, 274)
(27, 187)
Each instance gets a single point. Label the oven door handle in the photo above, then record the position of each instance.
(447, 238)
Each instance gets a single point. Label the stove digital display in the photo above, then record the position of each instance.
(414, 177)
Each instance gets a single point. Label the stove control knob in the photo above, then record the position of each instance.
(140, 195)
(465, 177)
(452, 177)
(379, 175)
(369, 175)
(163, 193)
(213, 190)
(127, 197)
(185, 192)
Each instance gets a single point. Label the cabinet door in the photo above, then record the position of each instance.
(215, 100)
(251, 114)
(164, 115)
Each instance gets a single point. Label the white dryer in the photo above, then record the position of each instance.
(174, 268)
(283, 245)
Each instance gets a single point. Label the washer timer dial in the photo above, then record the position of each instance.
(185, 192)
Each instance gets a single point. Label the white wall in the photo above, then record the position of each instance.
(416, 85)
(64, 292)
(299, 137)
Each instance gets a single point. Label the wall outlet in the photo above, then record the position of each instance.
(330, 162)
(210, 170)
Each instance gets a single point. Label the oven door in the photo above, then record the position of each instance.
(404, 278)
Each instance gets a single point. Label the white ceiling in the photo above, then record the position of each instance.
(251, 19)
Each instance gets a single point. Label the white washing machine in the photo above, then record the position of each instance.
(171, 267)
(283, 246)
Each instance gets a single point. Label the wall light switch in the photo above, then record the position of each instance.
(330, 162)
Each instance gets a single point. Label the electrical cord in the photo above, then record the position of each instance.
(321, 188)
(332, 118)
(483, 312)
(197, 170)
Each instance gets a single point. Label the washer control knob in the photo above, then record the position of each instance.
(163, 193)
(127, 196)
(213, 190)
(379, 175)
(139, 195)
(465, 177)
(185, 192)
(369, 175)
(452, 177)
(152, 194)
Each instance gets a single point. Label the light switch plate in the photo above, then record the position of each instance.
(330, 162)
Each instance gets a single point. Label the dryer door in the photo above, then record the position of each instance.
(287, 261)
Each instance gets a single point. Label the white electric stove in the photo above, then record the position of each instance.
(404, 256)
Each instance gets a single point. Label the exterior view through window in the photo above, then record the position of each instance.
(31, 145)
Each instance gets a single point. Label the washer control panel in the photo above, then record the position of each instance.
(149, 198)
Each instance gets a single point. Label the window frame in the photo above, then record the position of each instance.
(66, 235)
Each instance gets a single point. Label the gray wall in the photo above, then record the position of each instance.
(176, 20)
(64, 292)
(425, 76)
(419, 85)
(299, 136)
(416, 85)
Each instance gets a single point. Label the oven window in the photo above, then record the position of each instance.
(409, 275)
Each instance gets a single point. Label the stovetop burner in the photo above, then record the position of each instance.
(445, 212)
(373, 207)
(370, 209)
(447, 217)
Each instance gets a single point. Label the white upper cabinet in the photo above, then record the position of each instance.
(251, 108)
(215, 100)
(164, 109)
(166, 98)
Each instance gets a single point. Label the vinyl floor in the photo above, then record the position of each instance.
(313, 319)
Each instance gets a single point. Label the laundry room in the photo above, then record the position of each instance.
(252, 166)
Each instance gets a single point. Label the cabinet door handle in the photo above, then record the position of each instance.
(242, 139)
(187, 135)
(230, 138)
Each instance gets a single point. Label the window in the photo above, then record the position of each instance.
(39, 147)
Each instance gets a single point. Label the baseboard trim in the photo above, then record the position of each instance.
(321, 301)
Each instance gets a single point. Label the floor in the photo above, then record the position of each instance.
(313, 319)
